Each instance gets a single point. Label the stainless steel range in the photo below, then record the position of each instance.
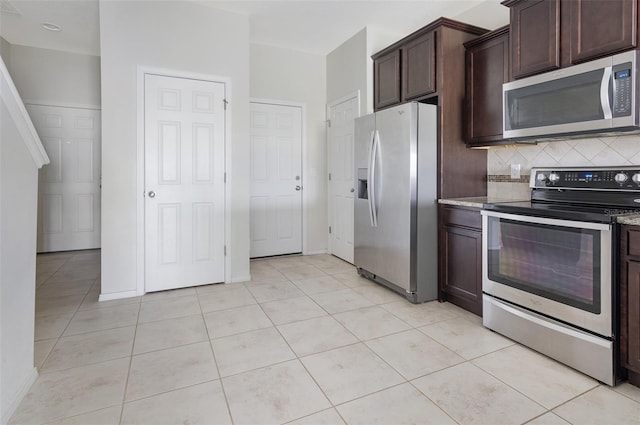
(549, 265)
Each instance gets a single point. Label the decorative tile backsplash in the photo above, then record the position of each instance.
(602, 151)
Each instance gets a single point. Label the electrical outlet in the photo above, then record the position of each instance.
(515, 171)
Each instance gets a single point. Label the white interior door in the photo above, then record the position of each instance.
(276, 179)
(341, 179)
(69, 187)
(184, 123)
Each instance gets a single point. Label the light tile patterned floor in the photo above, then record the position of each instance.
(306, 342)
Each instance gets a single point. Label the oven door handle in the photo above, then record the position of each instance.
(548, 221)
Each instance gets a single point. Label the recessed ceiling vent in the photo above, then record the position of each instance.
(50, 27)
(7, 7)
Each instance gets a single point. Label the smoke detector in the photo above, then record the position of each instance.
(51, 27)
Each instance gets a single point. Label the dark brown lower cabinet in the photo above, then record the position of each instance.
(630, 302)
(460, 261)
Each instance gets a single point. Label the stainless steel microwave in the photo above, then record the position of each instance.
(597, 97)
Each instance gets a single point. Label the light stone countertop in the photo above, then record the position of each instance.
(479, 201)
(475, 202)
(631, 219)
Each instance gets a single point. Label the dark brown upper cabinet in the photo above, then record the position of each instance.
(552, 34)
(386, 74)
(431, 70)
(535, 36)
(487, 68)
(602, 27)
(418, 67)
(412, 68)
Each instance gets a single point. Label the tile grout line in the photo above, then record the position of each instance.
(301, 363)
(66, 327)
(364, 342)
(547, 410)
(599, 385)
(126, 382)
(215, 361)
(35, 316)
(297, 357)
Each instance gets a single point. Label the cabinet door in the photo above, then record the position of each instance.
(535, 37)
(461, 250)
(487, 68)
(386, 80)
(633, 315)
(602, 27)
(418, 67)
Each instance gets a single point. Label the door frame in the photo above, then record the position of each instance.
(142, 71)
(303, 159)
(333, 103)
(37, 102)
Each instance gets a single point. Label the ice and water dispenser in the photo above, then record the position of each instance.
(363, 182)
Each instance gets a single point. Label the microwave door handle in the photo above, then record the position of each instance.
(512, 114)
(605, 99)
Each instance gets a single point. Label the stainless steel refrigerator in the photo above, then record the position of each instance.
(396, 204)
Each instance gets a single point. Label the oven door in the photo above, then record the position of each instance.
(558, 268)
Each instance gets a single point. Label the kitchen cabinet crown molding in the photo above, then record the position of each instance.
(440, 22)
(510, 3)
(497, 33)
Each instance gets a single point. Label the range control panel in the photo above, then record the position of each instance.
(596, 178)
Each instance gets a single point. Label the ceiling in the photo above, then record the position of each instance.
(314, 26)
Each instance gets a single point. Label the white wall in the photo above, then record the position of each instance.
(55, 77)
(18, 208)
(489, 14)
(282, 74)
(347, 67)
(5, 51)
(350, 67)
(177, 35)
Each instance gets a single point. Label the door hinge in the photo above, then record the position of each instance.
(329, 176)
(226, 102)
(225, 177)
(225, 250)
(329, 229)
(329, 123)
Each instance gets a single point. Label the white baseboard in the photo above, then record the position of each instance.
(241, 278)
(316, 252)
(9, 410)
(117, 295)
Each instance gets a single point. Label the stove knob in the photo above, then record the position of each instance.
(636, 178)
(553, 177)
(541, 177)
(621, 178)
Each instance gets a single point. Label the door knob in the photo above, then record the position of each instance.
(298, 187)
(152, 194)
(352, 190)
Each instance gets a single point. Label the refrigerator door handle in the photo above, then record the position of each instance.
(372, 144)
(375, 146)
